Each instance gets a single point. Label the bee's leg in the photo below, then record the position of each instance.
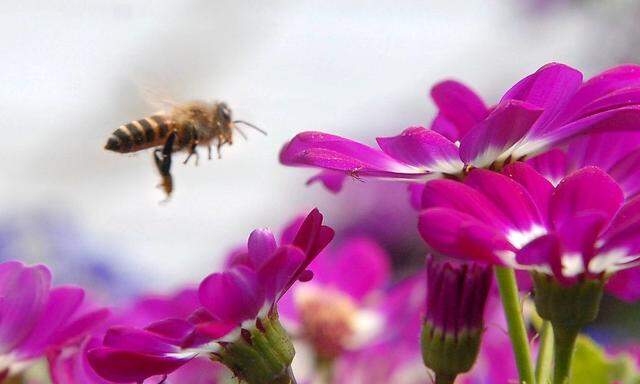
(209, 151)
(162, 159)
(220, 144)
(192, 151)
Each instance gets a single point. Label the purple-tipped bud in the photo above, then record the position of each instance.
(456, 297)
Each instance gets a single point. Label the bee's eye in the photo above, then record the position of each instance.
(226, 113)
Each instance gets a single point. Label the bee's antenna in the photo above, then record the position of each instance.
(244, 136)
(250, 125)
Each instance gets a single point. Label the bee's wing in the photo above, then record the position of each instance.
(158, 98)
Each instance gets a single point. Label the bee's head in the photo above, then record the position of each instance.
(224, 113)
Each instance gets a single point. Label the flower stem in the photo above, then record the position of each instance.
(545, 354)
(445, 379)
(564, 345)
(286, 378)
(517, 332)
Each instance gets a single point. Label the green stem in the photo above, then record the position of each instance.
(286, 378)
(564, 345)
(545, 354)
(517, 331)
(445, 379)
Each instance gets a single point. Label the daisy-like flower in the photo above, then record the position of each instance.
(394, 357)
(576, 230)
(542, 110)
(338, 311)
(238, 324)
(36, 317)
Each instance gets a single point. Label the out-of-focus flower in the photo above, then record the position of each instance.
(70, 365)
(395, 355)
(542, 110)
(238, 324)
(36, 318)
(339, 310)
(453, 326)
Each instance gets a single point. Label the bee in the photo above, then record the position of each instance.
(184, 128)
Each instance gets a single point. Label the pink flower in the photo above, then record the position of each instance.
(234, 303)
(394, 357)
(339, 309)
(70, 365)
(582, 228)
(541, 111)
(36, 318)
(617, 153)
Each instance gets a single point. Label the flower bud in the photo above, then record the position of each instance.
(261, 354)
(453, 326)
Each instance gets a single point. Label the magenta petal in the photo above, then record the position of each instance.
(174, 331)
(445, 127)
(215, 329)
(483, 243)
(360, 267)
(74, 367)
(461, 197)
(511, 198)
(336, 153)
(586, 190)
(80, 326)
(539, 188)
(440, 229)
(312, 236)
(415, 194)
(579, 236)
(423, 148)
(620, 98)
(331, 180)
(24, 292)
(232, 296)
(624, 76)
(127, 367)
(493, 137)
(279, 271)
(551, 164)
(459, 105)
(627, 173)
(539, 252)
(550, 88)
(137, 340)
(459, 235)
(625, 285)
(261, 245)
(627, 216)
(602, 150)
(622, 119)
(62, 303)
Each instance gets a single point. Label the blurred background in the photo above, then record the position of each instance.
(73, 71)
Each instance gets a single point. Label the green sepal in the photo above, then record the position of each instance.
(448, 354)
(572, 306)
(262, 355)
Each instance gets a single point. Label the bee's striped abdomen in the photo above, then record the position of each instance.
(140, 134)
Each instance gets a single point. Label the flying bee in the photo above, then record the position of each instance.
(184, 128)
